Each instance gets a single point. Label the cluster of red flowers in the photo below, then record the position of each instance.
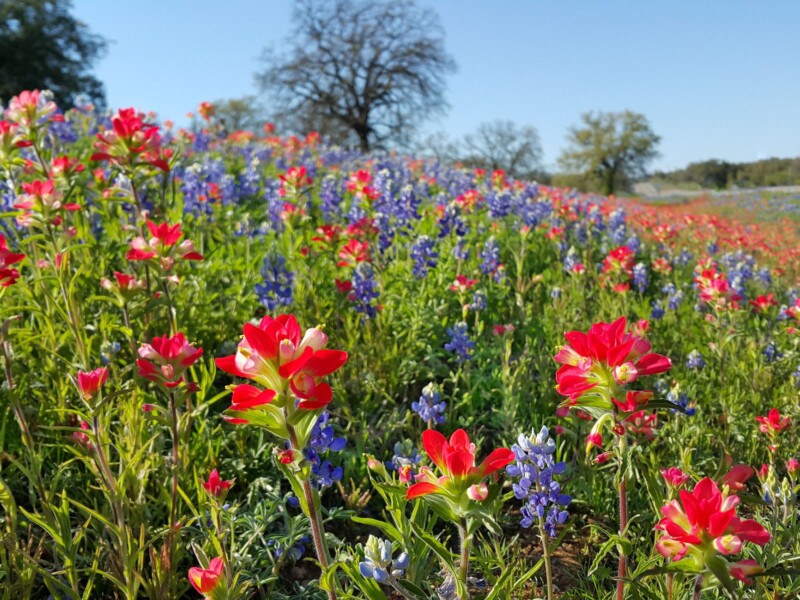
(8, 275)
(618, 269)
(715, 290)
(131, 142)
(280, 357)
(596, 367)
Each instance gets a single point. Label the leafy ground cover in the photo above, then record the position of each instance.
(259, 366)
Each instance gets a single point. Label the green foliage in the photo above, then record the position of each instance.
(42, 46)
(611, 148)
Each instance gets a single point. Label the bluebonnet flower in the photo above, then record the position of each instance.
(364, 290)
(712, 248)
(616, 219)
(331, 199)
(634, 243)
(499, 204)
(555, 292)
(378, 563)
(459, 343)
(657, 313)
(490, 256)
(451, 221)
(429, 406)
(765, 276)
(405, 454)
(695, 360)
(460, 251)
(322, 441)
(684, 257)
(535, 470)
(278, 282)
(108, 350)
(796, 376)
(295, 552)
(323, 438)
(64, 131)
(771, 352)
(423, 255)
(640, 276)
(479, 301)
(681, 399)
(571, 259)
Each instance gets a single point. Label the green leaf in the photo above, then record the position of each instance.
(390, 530)
(443, 553)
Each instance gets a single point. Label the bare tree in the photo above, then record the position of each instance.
(504, 145)
(365, 71)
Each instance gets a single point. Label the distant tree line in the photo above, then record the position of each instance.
(720, 174)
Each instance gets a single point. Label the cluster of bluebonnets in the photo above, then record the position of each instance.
(449, 288)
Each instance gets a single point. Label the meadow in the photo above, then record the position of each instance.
(260, 366)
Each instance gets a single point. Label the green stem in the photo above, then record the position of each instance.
(547, 566)
(465, 540)
(315, 520)
(623, 517)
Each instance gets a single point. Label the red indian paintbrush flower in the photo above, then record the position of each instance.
(163, 247)
(293, 181)
(131, 142)
(455, 459)
(32, 109)
(773, 423)
(11, 140)
(165, 359)
(674, 477)
(716, 291)
(703, 523)
(8, 276)
(279, 356)
(595, 364)
(762, 303)
(215, 485)
(206, 580)
(90, 383)
(353, 253)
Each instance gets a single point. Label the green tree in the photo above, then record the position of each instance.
(42, 46)
(611, 148)
(236, 114)
(359, 71)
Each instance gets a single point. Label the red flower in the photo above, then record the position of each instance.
(131, 142)
(455, 459)
(716, 291)
(762, 303)
(8, 276)
(773, 423)
(737, 477)
(43, 198)
(277, 355)
(461, 284)
(216, 486)
(293, 181)
(674, 477)
(704, 522)
(31, 109)
(603, 358)
(90, 383)
(206, 580)
(163, 246)
(619, 261)
(165, 359)
(358, 183)
(353, 253)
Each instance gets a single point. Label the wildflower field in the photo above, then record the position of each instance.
(254, 366)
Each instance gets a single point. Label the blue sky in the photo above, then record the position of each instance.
(717, 79)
